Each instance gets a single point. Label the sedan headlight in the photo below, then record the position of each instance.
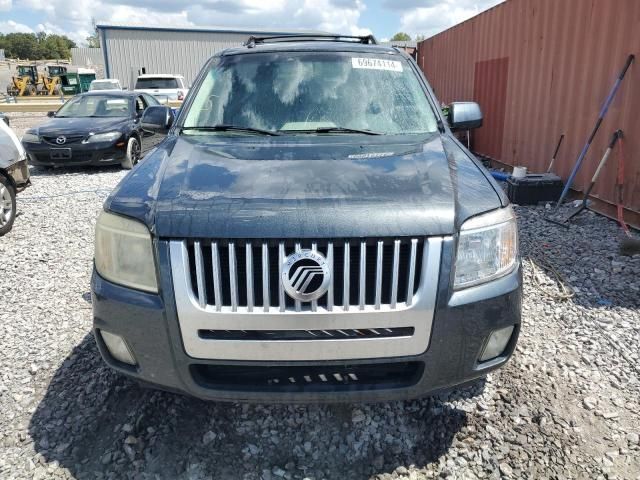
(30, 138)
(124, 252)
(103, 137)
(487, 248)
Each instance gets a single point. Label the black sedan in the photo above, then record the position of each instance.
(95, 128)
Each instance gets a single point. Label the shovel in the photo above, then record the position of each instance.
(616, 136)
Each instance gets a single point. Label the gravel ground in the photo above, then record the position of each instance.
(566, 405)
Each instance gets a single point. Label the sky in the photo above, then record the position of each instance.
(383, 18)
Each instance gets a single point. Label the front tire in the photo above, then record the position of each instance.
(7, 205)
(133, 154)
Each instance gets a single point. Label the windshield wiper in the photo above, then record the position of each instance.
(225, 128)
(335, 130)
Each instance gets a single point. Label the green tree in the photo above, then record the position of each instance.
(20, 45)
(57, 46)
(401, 37)
(36, 46)
(420, 38)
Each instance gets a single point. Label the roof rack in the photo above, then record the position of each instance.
(252, 41)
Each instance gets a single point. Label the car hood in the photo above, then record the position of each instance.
(244, 187)
(79, 126)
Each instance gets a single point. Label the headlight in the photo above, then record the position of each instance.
(30, 138)
(487, 248)
(103, 137)
(124, 252)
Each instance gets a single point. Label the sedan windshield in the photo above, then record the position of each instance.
(96, 106)
(313, 93)
(104, 86)
(156, 83)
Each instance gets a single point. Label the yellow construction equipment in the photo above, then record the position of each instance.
(50, 83)
(25, 82)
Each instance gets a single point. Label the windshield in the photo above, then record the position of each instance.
(156, 83)
(104, 86)
(96, 106)
(301, 93)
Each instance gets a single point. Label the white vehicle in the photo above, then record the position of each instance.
(14, 174)
(162, 86)
(105, 84)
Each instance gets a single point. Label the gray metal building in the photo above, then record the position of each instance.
(131, 50)
(86, 57)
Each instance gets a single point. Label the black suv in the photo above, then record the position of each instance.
(309, 230)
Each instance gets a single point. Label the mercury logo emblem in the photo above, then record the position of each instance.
(61, 140)
(305, 275)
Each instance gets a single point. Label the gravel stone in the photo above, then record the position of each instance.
(590, 403)
(65, 415)
(208, 438)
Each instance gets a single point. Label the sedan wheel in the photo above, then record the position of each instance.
(133, 154)
(7, 205)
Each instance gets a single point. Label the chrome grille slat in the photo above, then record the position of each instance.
(380, 254)
(314, 303)
(233, 277)
(202, 296)
(363, 272)
(298, 302)
(217, 280)
(226, 276)
(347, 275)
(249, 266)
(330, 263)
(266, 294)
(281, 299)
(394, 278)
(412, 268)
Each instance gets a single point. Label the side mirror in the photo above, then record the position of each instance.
(465, 115)
(51, 114)
(157, 119)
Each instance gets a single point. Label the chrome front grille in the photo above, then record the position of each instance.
(231, 305)
(243, 275)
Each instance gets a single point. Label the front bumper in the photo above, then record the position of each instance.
(462, 323)
(81, 154)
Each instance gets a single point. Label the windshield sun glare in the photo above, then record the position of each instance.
(313, 93)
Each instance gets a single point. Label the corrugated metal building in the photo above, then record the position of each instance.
(131, 50)
(87, 57)
(540, 68)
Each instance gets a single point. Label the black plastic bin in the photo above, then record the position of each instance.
(534, 188)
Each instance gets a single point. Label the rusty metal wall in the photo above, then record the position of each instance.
(563, 57)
